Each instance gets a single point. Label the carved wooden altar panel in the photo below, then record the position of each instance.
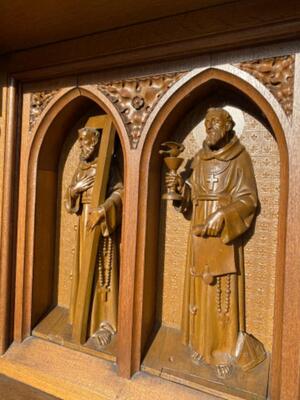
(261, 252)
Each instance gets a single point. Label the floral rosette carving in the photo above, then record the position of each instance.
(135, 99)
(277, 74)
(38, 102)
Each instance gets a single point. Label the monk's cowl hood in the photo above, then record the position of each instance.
(230, 151)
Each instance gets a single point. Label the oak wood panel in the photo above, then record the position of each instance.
(57, 20)
(44, 251)
(170, 358)
(14, 390)
(48, 160)
(55, 328)
(64, 373)
(8, 215)
(290, 383)
(169, 114)
(245, 23)
(42, 150)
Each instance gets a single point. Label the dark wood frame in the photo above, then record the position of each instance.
(208, 32)
(137, 162)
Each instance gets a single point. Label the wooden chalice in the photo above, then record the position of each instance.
(173, 162)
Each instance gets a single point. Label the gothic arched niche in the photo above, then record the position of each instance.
(60, 236)
(185, 124)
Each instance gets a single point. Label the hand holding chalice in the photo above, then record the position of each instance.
(173, 162)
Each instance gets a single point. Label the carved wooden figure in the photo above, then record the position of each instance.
(222, 194)
(102, 319)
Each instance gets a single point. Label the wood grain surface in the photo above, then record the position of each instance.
(68, 19)
(217, 27)
(220, 27)
(64, 373)
(11, 389)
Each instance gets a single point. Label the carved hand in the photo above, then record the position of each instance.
(214, 223)
(81, 186)
(174, 181)
(95, 216)
(212, 227)
(199, 230)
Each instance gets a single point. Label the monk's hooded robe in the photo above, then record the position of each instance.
(105, 284)
(213, 307)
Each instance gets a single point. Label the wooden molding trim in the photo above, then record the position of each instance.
(192, 33)
(8, 217)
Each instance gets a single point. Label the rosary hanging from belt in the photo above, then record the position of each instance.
(105, 255)
(219, 295)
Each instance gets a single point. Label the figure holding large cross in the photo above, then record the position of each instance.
(95, 195)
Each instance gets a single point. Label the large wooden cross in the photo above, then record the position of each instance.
(79, 333)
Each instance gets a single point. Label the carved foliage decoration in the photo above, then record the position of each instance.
(38, 102)
(136, 98)
(277, 74)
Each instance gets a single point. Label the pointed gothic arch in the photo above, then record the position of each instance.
(38, 198)
(194, 86)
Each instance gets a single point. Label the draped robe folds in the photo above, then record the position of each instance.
(214, 314)
(104, 302)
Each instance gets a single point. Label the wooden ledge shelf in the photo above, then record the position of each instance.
(169, 362)
(13, 390)
(63, 373)
(55, 327)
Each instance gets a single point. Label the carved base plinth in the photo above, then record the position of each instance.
(55, 327)
(69, 374)
(175, 363)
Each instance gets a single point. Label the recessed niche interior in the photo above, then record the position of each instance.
(164, 354)
(55, 246)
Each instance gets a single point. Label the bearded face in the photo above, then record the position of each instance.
(87, 143)
(217, 126)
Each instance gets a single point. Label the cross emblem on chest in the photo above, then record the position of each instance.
(211, 182)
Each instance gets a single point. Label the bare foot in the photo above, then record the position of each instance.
(197, 358)
(103, 337)
(104, 334)
(224, 370)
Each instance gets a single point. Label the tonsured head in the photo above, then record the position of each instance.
(88, 139)
(218, 124)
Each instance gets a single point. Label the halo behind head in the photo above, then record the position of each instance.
(228, 118)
